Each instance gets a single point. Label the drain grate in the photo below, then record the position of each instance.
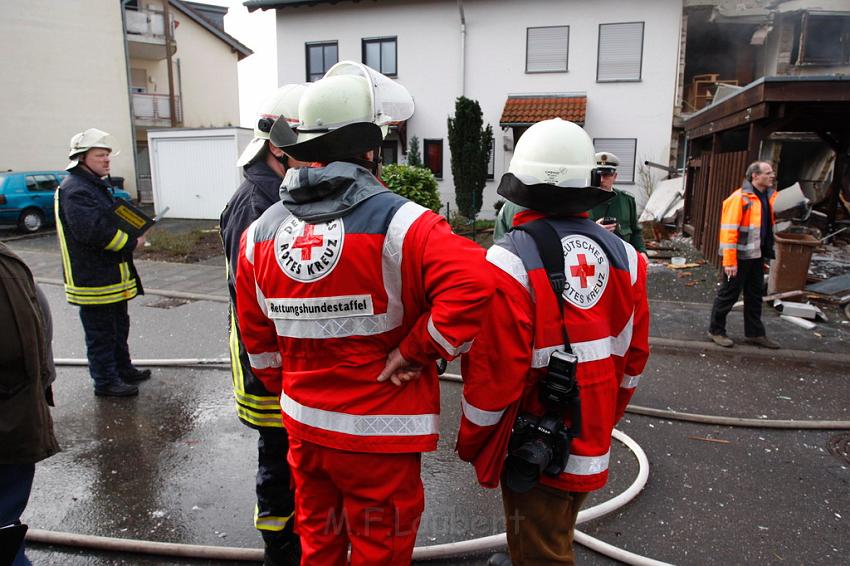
(839, 446)
(169, 303)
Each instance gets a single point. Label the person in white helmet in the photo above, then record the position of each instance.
(264, 166)
(347, 294)
(561, 348)
(97, 262)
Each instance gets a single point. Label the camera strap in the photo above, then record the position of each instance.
(552, 254)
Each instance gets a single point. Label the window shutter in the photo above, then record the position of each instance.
(620, 52)
(624, 149)
(547, 49)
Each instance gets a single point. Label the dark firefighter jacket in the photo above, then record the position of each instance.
(97, 256)
(255, 406)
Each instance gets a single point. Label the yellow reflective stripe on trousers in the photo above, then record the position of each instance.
(63, 247)
(270, 522)
(106, 289)
(266, 403)
(119, 240)
(102, 299)
(267, 420)
(245, 402)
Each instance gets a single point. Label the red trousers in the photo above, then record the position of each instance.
(371, 501)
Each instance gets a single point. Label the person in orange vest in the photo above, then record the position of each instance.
(746, 241)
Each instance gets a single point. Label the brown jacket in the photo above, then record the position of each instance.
(26, 429)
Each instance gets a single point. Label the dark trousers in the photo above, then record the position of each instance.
(275, 497)
(107, 328)
(15, 487)
(750, 278)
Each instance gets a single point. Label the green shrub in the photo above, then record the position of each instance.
(414, 183)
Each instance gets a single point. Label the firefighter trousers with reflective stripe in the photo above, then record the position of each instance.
(275, 497)
(107, 328)
(540, 523)
(750, 278)
(372, 501)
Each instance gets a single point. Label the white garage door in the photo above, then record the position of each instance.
(194, 176)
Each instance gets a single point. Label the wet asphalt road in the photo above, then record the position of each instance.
(175, 465)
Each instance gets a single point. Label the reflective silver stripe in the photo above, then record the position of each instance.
(630, 381)
(444, 343)
(540, 356)
(631, 252)
(590, 350)
(587, 465)
(261, 300)
(367, 325)
(753, 246)
(509, 263)
(249, 242)
(478, 416)
(264, 360)
(728, 246)
(729, 227)
(361, 425)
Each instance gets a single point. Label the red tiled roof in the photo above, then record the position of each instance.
(527, 110)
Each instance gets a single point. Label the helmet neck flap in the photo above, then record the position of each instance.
(551, 199)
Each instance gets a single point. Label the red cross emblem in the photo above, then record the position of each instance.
(583, 270)
(307, 242)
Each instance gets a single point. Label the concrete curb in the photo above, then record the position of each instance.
(749, 351)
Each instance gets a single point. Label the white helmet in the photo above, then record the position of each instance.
(553, 170)
(90, 139)
(346, 113)
(281, 106)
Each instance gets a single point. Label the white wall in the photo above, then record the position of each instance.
(63, 69)
(429, 63)
(209, 76)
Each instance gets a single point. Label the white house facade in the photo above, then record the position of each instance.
(608, 64)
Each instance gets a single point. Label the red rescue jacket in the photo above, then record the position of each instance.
(607, 318)
(321, 302)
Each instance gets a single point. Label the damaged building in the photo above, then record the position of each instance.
(763, 79)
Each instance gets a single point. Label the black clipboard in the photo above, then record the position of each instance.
(131, 219)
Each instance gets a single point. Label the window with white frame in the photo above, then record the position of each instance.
(547, 49)
(620, 54)
(321, 56)
(624, 149)
(381, 54)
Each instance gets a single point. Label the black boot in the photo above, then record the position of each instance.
(282, 549)
(135, 375)
(500, 559)
(116, 389)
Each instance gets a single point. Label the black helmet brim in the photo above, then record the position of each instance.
(352, 140)
(551, 199)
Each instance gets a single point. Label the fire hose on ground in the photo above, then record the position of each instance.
(438, 551)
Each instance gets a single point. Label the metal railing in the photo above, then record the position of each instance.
(156, 108)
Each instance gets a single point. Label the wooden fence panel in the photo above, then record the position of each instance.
(723, 176)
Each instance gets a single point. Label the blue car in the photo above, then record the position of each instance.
(26, 198)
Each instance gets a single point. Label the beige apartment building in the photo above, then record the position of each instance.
(76, 64)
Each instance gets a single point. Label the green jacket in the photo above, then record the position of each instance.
(623, 208)
(505, 219)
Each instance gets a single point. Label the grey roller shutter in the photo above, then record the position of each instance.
(624, 149)
(547, 49)
(620, 52)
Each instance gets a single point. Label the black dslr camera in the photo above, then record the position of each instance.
(541, 444)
